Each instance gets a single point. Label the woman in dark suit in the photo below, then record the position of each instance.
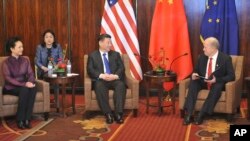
(47, 50)
(19, 81)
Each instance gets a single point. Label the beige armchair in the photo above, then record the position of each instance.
(9, 103)
(132, 95)
(230, 98)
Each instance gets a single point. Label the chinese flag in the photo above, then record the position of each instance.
(169, 33)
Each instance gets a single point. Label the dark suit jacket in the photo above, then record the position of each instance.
(95, 64)
(224, 71)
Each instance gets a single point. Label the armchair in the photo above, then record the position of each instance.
(230, 98)
(132, 95)
(9, 103)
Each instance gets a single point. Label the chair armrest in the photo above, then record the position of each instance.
(44, 87)
(1, 97)
(231, 100)
(183, 86)
(133, 84)
(87, 91)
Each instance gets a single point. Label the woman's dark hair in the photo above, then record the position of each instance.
(11, 42)
(54, 44)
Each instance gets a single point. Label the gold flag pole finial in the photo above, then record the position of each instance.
(65, 51)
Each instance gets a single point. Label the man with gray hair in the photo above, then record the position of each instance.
(212, 71)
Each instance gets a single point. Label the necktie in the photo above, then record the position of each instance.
(106, 64)
(209, 72)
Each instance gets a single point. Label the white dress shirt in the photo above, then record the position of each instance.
(215, 56)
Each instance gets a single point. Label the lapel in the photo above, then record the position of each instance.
(204, 65)
(99, 59)
(111, 59)
(44, 55)
(218, 62)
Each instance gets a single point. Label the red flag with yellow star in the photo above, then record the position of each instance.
(169, 34)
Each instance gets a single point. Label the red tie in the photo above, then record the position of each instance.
(209, 72)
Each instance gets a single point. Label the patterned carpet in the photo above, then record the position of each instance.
(146, 127)
(10, 132)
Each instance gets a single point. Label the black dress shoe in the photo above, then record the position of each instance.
(109, 118)
(199, 120)
(20, 125)
(187, 120)
(27, 124)
(119, 119)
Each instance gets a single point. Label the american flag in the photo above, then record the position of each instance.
(119, 21)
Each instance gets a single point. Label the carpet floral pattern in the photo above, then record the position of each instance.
(217, 128)
(212, 129)
(94, 128)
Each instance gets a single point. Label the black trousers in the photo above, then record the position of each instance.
(102, 87)
(210, 102)
(26, 99)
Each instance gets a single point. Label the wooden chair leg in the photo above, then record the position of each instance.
(86, 115)
(229, 117)
(238, 110)
(182, 113)
(46, 116)
(135, 111)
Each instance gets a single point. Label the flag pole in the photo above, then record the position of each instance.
(136, 10)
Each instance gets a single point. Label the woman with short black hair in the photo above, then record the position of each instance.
(19, 81)
(48, 50)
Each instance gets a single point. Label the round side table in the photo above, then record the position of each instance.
(63, 81)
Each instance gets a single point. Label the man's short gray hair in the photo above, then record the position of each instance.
(213, 42)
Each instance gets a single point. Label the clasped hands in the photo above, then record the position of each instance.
(108, 77)
(29, 85)
(195, 77)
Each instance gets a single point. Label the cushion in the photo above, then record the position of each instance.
(10, 99)
(204, 93)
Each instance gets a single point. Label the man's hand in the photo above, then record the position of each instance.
(195, 76)
(113, 77)
(211, 81)
(108, 77)
(29, 85)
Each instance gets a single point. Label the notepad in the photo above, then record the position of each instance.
(202, 77)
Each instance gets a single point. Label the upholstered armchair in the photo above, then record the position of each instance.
(9, 103)
(132, 95)
(229, 101)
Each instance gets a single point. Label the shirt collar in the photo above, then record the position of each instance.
(215, 55)
(15, 58)
(103, 52)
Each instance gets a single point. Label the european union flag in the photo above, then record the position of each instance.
(220, 21)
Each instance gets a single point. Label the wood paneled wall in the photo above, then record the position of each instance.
(77, 23)
(1, 28)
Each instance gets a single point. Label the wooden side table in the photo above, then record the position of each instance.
(63, 81)
(247, 79)
(154, 81)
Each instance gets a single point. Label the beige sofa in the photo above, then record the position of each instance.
(230, 98)
(9, 103)
(132, 95)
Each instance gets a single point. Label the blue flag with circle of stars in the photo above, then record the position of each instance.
(220, 21)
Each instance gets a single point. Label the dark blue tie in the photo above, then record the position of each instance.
(106, 64)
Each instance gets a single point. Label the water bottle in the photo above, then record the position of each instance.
(50, 69)
(68, 67)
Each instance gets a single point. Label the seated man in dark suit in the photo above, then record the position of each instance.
(106, 69)
(217, 69)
